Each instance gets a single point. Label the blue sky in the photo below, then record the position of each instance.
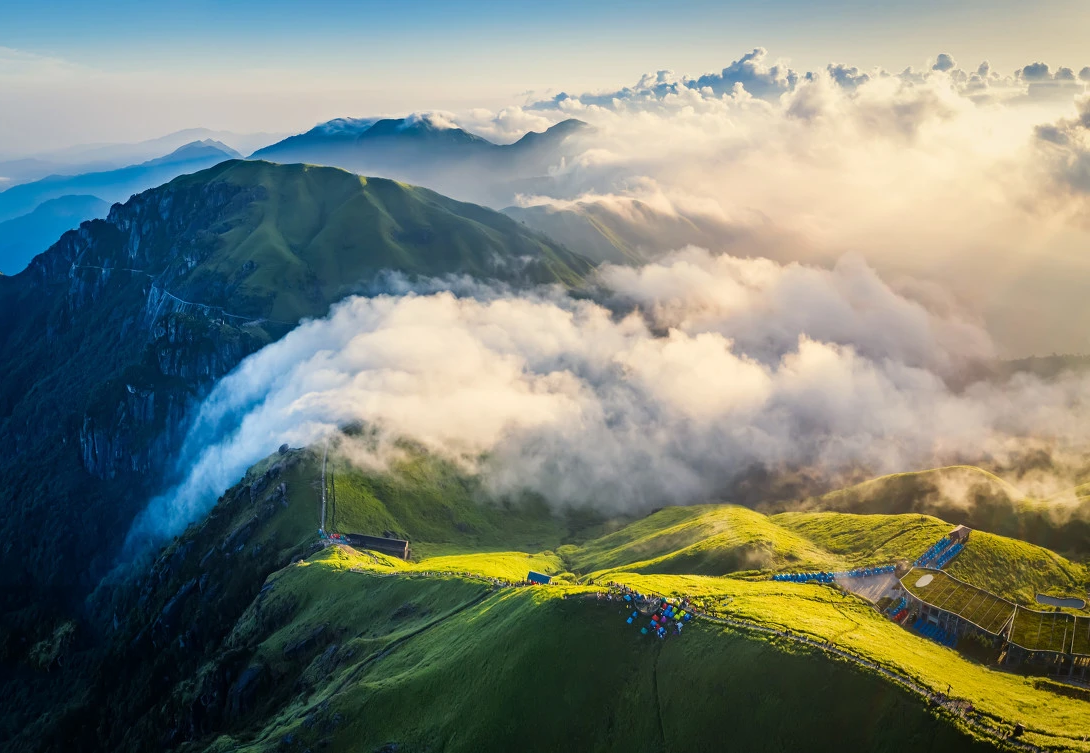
(136, 69)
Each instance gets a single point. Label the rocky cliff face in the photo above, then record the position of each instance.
(133, 423)
(110, 338)
(106, 367)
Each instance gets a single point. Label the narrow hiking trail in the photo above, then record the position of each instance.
(325, 455)
(987, 726)
(210, 310)
(978, 721)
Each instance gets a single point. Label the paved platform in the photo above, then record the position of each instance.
(873, 587)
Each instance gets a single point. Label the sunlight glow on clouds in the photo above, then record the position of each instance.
(737, 365)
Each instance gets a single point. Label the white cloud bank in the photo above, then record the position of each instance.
(721, 366)
(914, 224)
(971, 180)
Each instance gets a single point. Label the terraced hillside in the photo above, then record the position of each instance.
(1018, 570)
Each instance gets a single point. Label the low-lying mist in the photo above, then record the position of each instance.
(678, 382)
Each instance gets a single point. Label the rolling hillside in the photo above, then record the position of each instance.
(708, 540)
(246, 634)
(965, 494)
(624, 231)
(313, 235)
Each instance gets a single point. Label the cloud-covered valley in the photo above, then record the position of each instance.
(871, 244)
(967, 178)
(678, 381)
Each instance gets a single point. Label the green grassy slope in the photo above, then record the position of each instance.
(867, 539)
(706, 539)
(625, 232)
(489, 677)
(441, 509)
(1018, 571)
(101, 367)
(829, 615)
(1008, 567)
(314, 234)
(244, 636)
(724, 539)
(963, 494)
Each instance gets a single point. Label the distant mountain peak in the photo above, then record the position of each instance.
(556, 132)
(204, 146)
(343, 126)
(571, 124)
(422, 126)
(351, 127)
(197, 150)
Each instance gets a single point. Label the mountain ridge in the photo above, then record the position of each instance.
(249, 633)
(23, 237)
(122, 324)
(113, 185)
(427, 151)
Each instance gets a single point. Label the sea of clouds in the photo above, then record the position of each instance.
(963, 177)
(886, 237)
(674, 384)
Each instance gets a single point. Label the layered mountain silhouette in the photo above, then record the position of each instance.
(22, 238)
(429, 151)
(112, 335)
(114, 185)
(97, 158)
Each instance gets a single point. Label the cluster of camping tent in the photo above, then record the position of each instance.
(859, 572)
(668, 617)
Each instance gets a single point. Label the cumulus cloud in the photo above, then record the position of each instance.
(947, 174)
(912, 226)
(944, 63)
(757, 77)
(1065, 148)
(751, 72)
(683, 379)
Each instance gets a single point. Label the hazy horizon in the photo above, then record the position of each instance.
(136, 71)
